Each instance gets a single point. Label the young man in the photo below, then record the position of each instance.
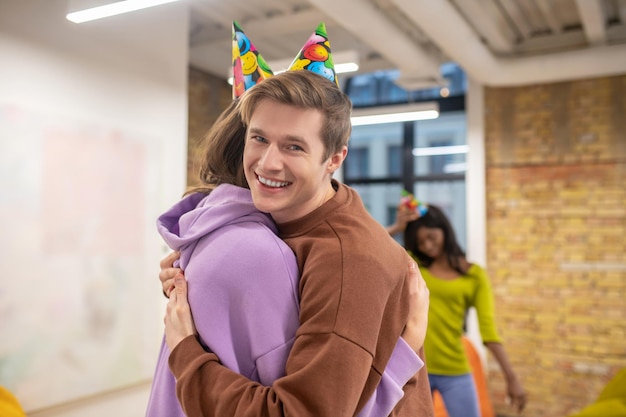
(246, 310)
(353, 299)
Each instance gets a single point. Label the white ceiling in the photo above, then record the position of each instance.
(497, 42)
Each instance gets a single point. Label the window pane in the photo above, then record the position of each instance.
(358, 166)
(363, 90)
(382, 143)
(394, 160)
(380, 87)
(440, 145)
(380, 200)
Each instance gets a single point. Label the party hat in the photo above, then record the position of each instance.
(411, 203)
(315, 56)
(249, 67)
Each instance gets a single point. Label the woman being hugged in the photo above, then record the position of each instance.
(455, 285)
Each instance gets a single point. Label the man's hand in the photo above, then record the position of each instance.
(168, 272)
(178, 319)
(415, 330)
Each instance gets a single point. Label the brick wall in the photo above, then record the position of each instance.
(556, 233)
(208, 96)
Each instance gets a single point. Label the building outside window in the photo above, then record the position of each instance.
(359, 163)
(427, 157)
(394, 160)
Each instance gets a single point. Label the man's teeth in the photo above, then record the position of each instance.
(270, 183)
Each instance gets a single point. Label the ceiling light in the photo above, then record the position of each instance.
(113, 9)
(441, 150)
(346, 67)
(396, 113)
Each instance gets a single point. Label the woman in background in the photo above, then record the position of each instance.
(455, 285)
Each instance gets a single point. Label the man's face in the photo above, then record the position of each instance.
(283, 160)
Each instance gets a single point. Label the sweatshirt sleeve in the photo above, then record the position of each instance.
(325, 376)
(403, 365)
(188, 358)
(204, 387)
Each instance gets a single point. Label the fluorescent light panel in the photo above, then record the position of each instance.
(346, 67)
(455, 167)
(113, 9)
(339, 68)
(396, 113)
(441, 150)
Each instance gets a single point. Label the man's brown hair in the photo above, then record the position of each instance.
(306, 90)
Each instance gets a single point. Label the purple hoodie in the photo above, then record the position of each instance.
(243, 292)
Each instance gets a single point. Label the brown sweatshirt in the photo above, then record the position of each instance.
(353, 308)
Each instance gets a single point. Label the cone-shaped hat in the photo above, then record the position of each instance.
(316, 56)
(249, 67)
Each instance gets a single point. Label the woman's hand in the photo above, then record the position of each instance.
(178, 319)
(404, 215)
(415, 330)
(168, 272)
(516, 394)
(515, 391)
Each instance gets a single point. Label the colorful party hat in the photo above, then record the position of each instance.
(249, 67)
(411, 203)
(315, 56)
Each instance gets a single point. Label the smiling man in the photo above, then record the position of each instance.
(354, 301)
(285, 162)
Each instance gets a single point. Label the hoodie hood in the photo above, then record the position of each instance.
(198, 214)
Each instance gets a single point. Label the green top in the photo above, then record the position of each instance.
(449, 301)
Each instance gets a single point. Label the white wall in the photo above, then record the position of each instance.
(128, 74)
(476, 220)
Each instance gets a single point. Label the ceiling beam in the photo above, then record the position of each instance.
(459, 41)
(549, 16)
(367, 23)
(593, 19)
(621, 5)
(517, 17)
(281, 25)
(492, 28)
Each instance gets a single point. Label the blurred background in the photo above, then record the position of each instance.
(100, 122)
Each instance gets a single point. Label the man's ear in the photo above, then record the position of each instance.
(336, 159)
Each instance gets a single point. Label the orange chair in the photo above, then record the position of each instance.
(486, 409)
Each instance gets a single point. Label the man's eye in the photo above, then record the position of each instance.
(296, 148)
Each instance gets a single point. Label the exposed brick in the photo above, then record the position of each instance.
(207, 97)
(556, 225)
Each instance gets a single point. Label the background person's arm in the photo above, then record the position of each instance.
(404, 215)
(485, 310)
(514, 387)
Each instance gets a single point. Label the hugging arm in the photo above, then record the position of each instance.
(396, 379)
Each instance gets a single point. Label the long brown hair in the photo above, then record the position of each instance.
(436, 219)
(222, 152)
